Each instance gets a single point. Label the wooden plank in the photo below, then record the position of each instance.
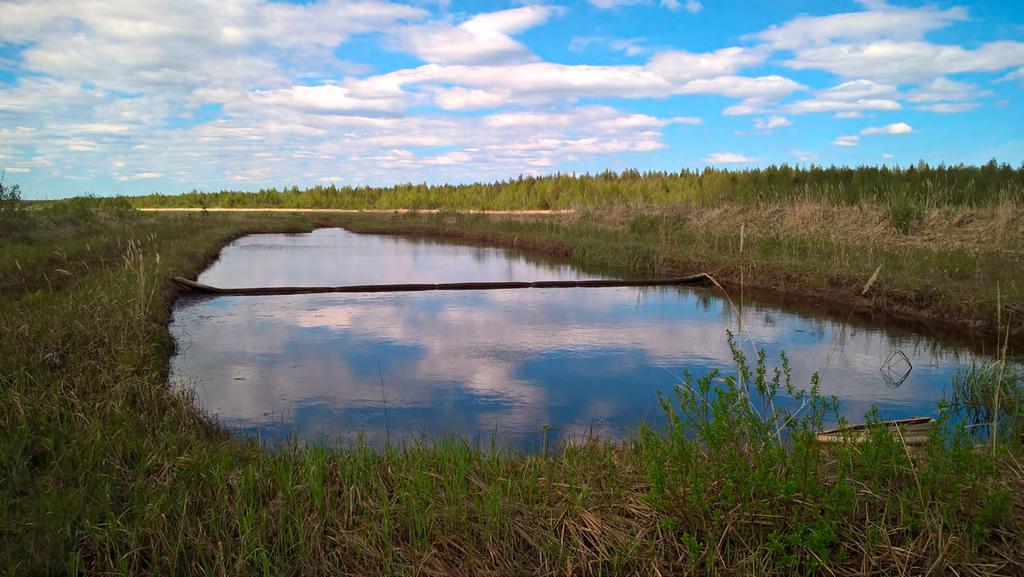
(913, 431)
(908, 422)
(199, 288)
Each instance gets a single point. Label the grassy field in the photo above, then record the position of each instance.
(905, 192)
(106, 470)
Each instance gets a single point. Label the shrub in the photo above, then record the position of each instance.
(12, 209)
(904, 212)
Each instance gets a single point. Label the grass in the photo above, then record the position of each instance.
(106, 470)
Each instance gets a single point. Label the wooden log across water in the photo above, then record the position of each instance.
(199, 288)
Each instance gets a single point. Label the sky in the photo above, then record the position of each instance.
(132, 97)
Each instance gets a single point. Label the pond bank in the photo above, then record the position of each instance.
(971, 291)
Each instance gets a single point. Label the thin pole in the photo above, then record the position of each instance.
(199, 288)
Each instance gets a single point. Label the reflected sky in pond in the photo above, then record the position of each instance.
(515, 364)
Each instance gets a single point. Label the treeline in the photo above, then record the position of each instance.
(920, 186)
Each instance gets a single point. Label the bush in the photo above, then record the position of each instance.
(904, 212)
(12, 209)
(87, 208)
(76, 209)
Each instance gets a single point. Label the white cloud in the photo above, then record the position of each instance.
(815, 105)
(682, 65)
(459, 98)
(250, 91)
(47, 94)
(1017, 74)
(741, 86)
(255, 91)
(17, 169)
(947, 96)
(692, 6)
(894, 128)
(582, 43)
(944, 90)
(329, 99)
(543, 82)
(610, 4)
(771, 123)
(628, 46)
(857, 90)
(848, 98)
(747, 106)
(948, 107)
(727, 158)
(483, 39)
(400, 140)
(886, 43)
(538, 81)
(78, 144)
(99, 128)
(449, 158)
(903, 62)
(141, 176)
(383, 149)
(879, 21)
(140, 46)
(852, 140)
(852, 96)
(887, 156)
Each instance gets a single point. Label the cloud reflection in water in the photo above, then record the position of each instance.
(471, 363)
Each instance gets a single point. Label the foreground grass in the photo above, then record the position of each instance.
(105, 470)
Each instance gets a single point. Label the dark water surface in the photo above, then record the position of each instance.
(515, 364)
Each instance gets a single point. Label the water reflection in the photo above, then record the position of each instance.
(512, 363)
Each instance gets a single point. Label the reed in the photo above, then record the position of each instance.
(906, 192)
(989, 398)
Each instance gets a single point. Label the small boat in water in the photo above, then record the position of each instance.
(914, 431)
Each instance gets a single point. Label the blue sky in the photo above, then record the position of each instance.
(133, 97)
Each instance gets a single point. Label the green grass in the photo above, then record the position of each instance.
(106, 470)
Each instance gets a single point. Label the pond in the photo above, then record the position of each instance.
(519, 367)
